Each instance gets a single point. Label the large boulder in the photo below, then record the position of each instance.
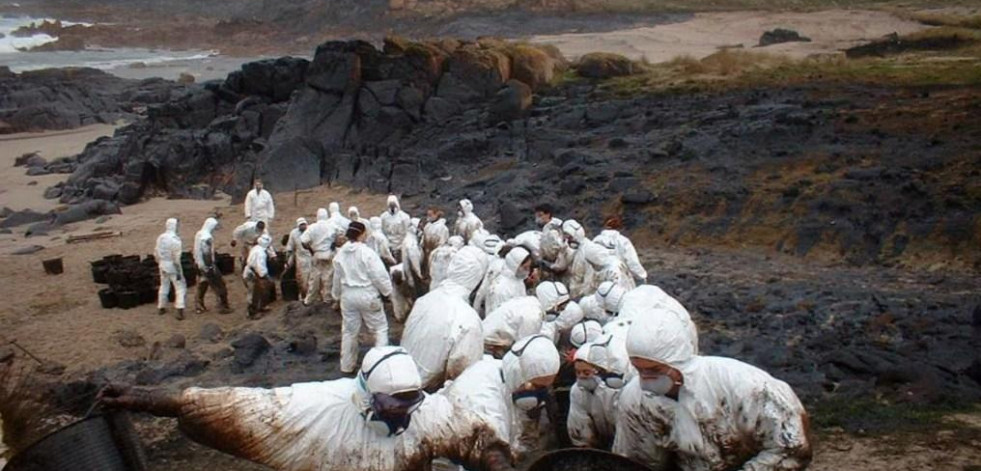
(510, 102)
(604, 65)
(482, 70)
(532, 66)
(336, 68)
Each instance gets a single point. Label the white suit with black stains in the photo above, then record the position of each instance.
(259, 206)
(490, 244)
(256, 267)
(319, 237)
(246, 235)
(510, 283)
(551, 295)
(644, 301)
(443, 332)
(168, 254)
(299, 257)
(394, 223)
(586, 263)
(622, 247)
(467, 223)
(486, 389)
(593, 404)
(728, 414)
(324, 426)
(360, 278)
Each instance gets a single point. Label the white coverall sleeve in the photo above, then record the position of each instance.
(781, 431)
(377, 273)
(249, 203)
(272, 207)
(579, 424)
(260, 263)
(482, 292)
(631, 259)
(633, 438)
(564, 260)
(385, 251)
(176, 256)
(335, 287)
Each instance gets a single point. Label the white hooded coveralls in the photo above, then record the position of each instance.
(729, 415)
(394, 224)
(552, 243)
(168, 254)
(443, 332)
(353, 214)
(319, 237)
(299, 257)
(592, 414)
(468, 222)
(491, 245)
(643, 301)
(322, 426)
(439, 262)
(515, 319)
(434, 235)
(359, 278)
(259, 206)
(379, 243)
(486, 387)
(551, 294)
(204, 245)
(590, 264)
(256, 267)
(247, 236)
(622, 247)
(509, 284)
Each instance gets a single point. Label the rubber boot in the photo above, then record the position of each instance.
(199, 308)
(225, 308)
(161, 311)
(179, 314)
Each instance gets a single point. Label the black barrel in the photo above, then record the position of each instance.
(584, 459)
(100, 443)
(128, 299)
(226, 263)
(99, 270)
(53, 266)
(290, 289)
(107, 297)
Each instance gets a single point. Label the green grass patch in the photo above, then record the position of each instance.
(876, 418)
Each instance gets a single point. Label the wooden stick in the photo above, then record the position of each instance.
(93, 236)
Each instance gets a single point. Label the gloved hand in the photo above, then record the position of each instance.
(156, 402)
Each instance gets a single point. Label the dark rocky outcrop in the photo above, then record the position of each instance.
(604, 65)
(781, 35)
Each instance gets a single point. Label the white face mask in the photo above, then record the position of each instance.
(661, 385)
(573, 244)
(589, 384)
(551, 316)
(541, 222)
(523, 273)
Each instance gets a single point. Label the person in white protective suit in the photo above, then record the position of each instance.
(360, 279)
(439, 261)
(510, 283)
(353, 214)
(299, 257)
(492, 246)
(246, 236)
(641, 301)
(510, 394)
(209, 274)
(337, 219)
(259, 204)
(168, 254)
(593, 398)
(435, 234)
(561, 312)
(443, 332)
(593, 309)
(621, 246)
(705, 412)
(395, 223)
(552, 242)
(466, 222)
(585, 331)
(587, 263)
(379, 243)
(319, 239)
(530, 241)
(515, 319)
(256, 271)
(379, 421)
(411, 259)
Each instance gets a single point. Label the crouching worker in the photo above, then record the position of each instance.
(380, 421)
(704, 412)
(256, 276)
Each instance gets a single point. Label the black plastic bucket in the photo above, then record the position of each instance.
(107, 297)
(113, 259)
(131, 259)
(99, 270)
(584, 459)
(53, 266)
(226, 263)
(290, 289)
(100, 443)
(128, 299)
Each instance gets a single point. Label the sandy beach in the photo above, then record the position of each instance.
(830, 31)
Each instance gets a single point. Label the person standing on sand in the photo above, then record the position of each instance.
(204, 259)
(259, 204)
(168, 253)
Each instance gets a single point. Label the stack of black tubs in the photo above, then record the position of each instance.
(133, 281)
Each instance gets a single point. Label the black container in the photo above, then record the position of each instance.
(226, 263)
(190, 276)
(584, 459)
(266, 290)
(107, 297)
(53, 266)
(99, 270)
(148, 294)
(128, 299)
(290, 289)
(100, 443)
(118, 276)
(149, 258)
(130, 259)
(113, 259)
